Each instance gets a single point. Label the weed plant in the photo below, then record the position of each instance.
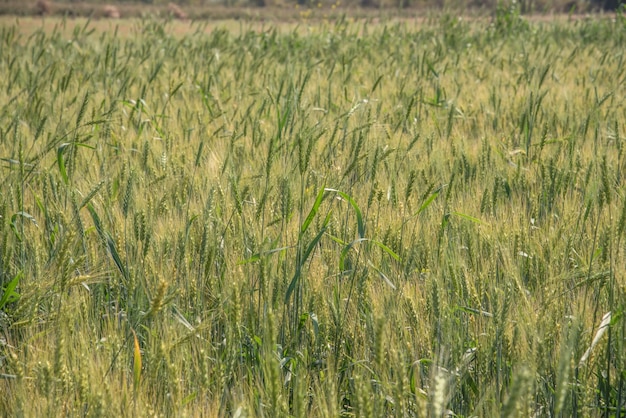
(346, 219)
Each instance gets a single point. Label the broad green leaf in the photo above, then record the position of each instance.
(115, 255)
(108, 241)
(96, 221)
(337, 240)
(428, 201)
(359, 216)
(9, 295)
(386, 249)
(61, 162)
(313, 212)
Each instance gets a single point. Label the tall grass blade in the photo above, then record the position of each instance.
(468, 217)
(9, 295)
(312, 212)
(428, 201)
(107, 241)
(61, 162)
(357, 211)
(310, 247)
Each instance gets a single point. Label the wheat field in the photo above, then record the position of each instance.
(343, 218)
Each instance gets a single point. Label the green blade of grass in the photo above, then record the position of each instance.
(357, 211)
(107, 241)
(96, 221)
(115, 255)
(337, 240)
(386, 249)
(313, 212)
(468, 218)
(257, 256)
(429, 200)
(61, 162)
(9, 294)
(307, 253)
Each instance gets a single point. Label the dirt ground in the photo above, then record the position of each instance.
(129, 27)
